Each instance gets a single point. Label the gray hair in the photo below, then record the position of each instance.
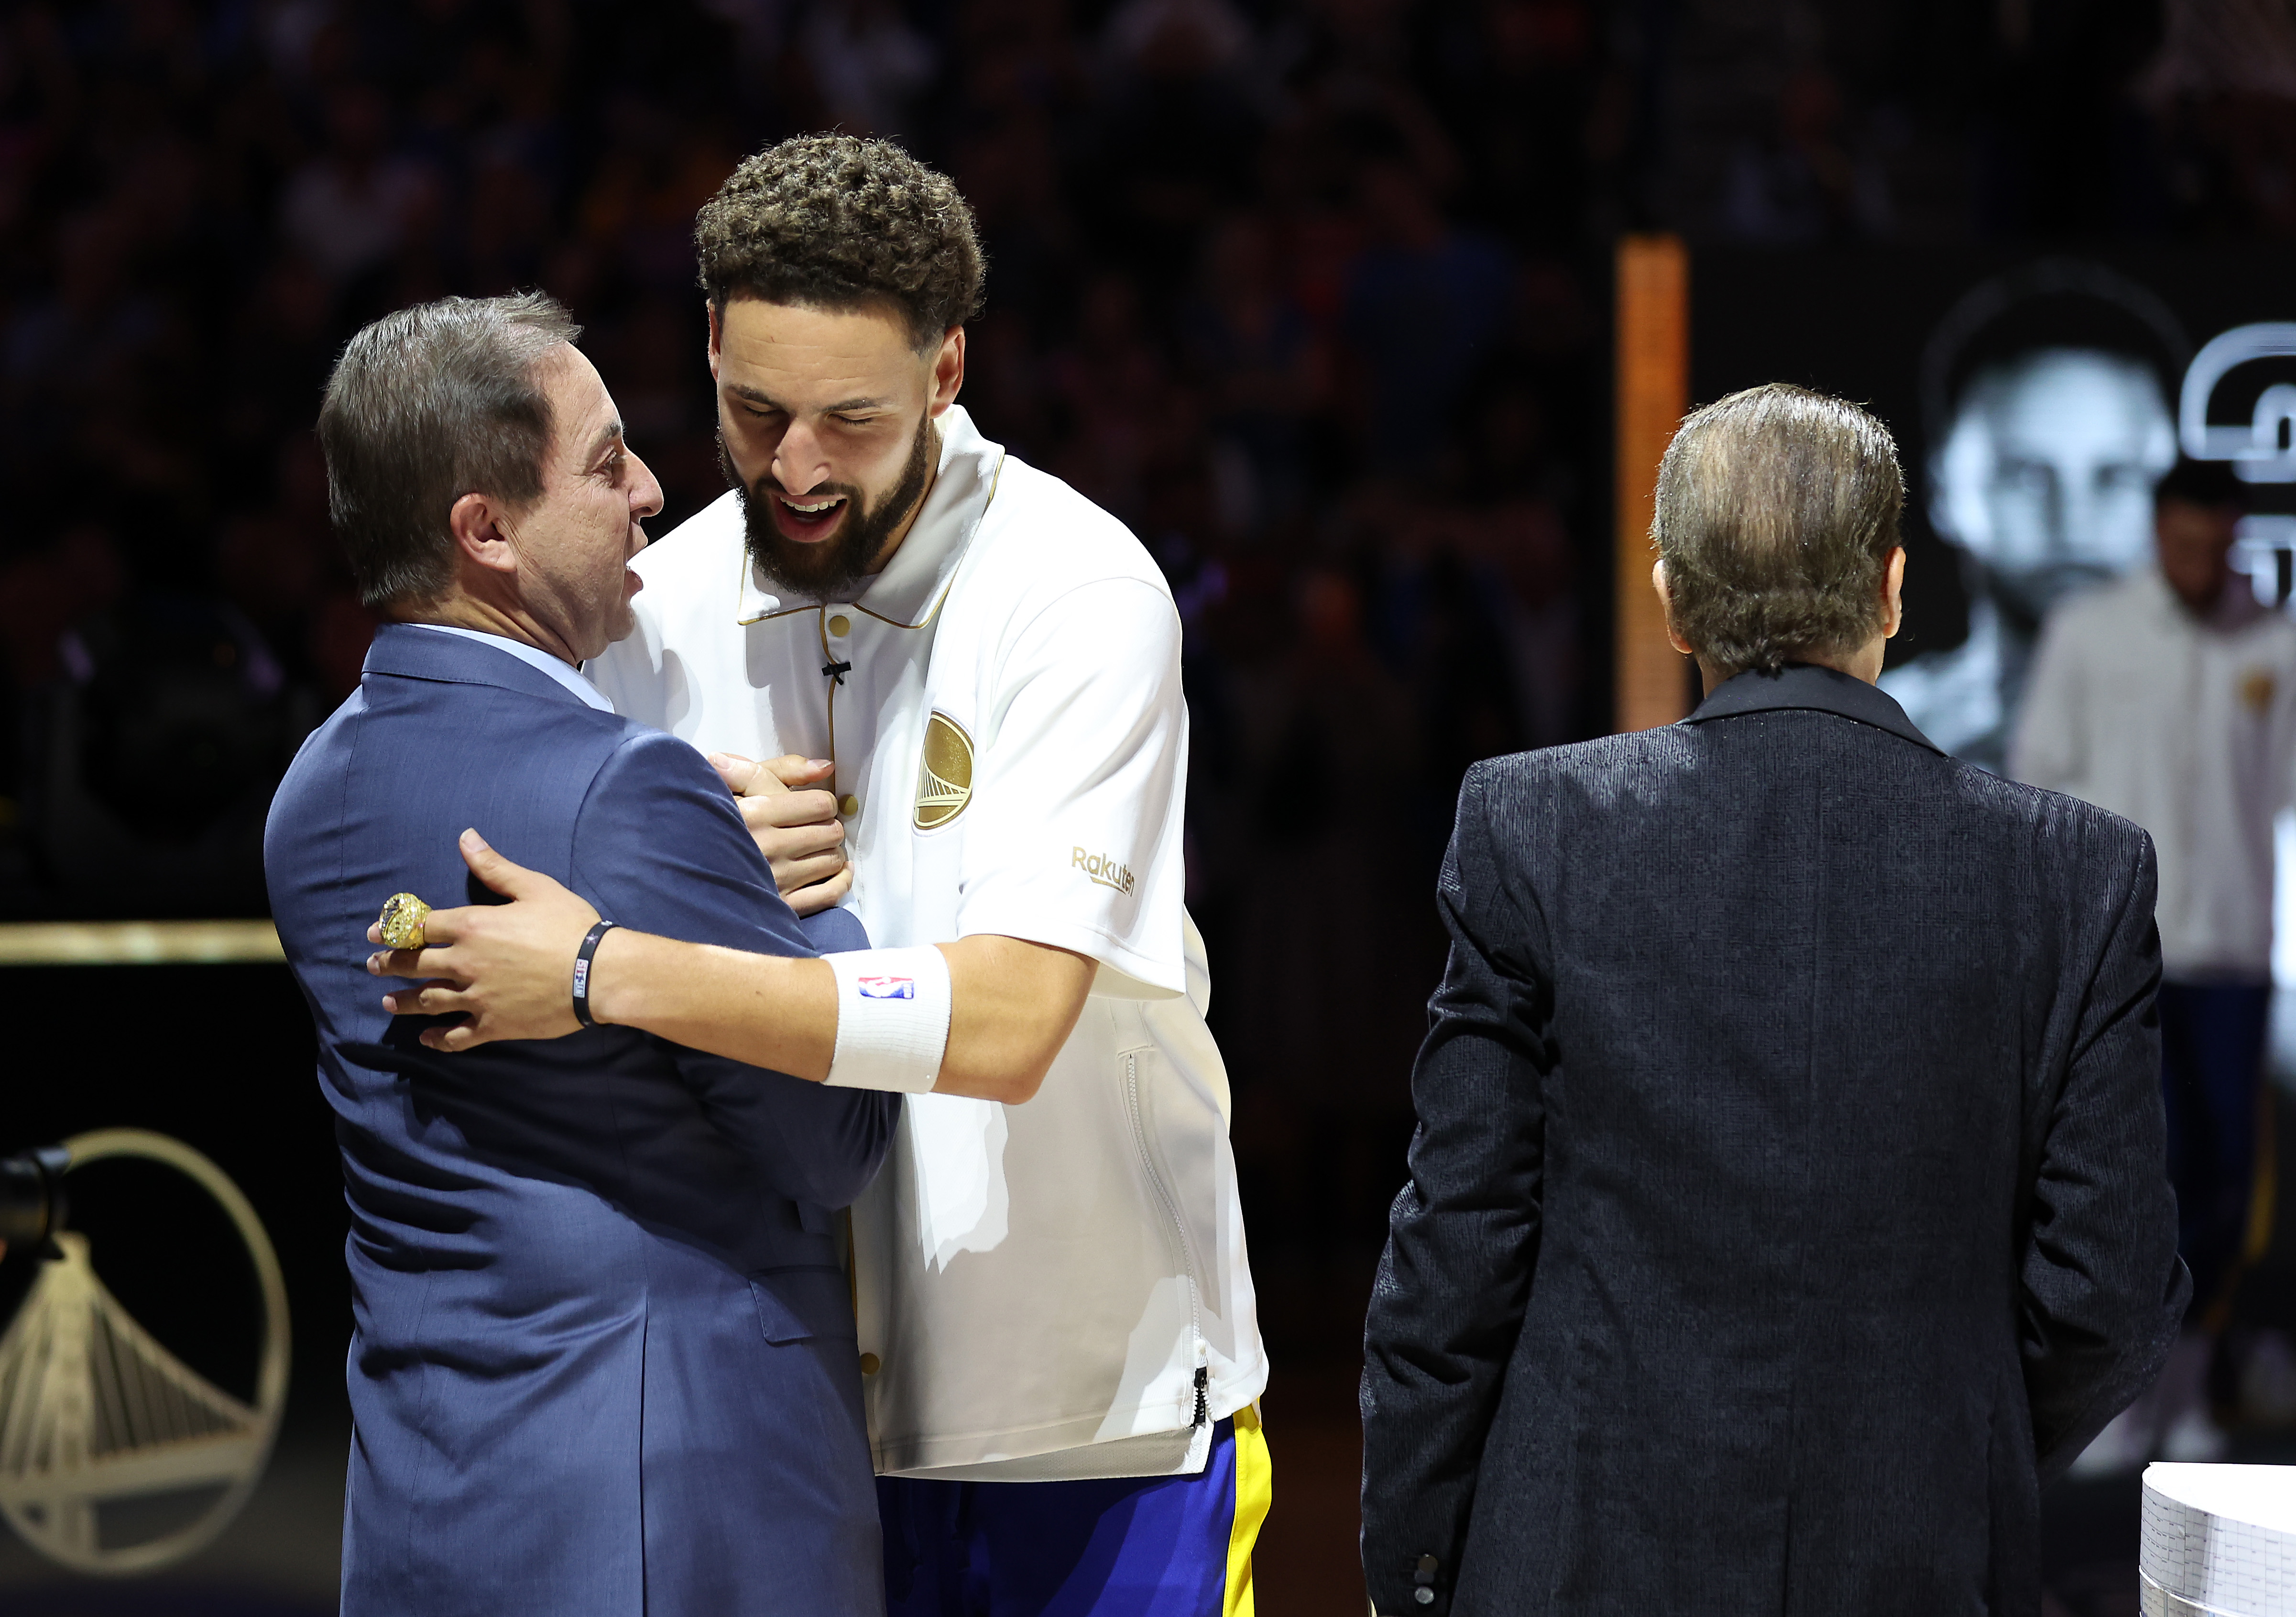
(425, 406)
(1777, 509)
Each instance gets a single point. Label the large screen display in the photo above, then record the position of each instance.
(2035, 401)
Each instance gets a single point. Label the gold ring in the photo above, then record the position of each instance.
(403, 915)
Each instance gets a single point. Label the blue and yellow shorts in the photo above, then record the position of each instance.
(1125, 1547)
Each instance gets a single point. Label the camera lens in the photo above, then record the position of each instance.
(30, 1196)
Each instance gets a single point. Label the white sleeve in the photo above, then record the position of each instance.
(1080, 789)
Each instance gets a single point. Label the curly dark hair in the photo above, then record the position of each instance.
(837, 221)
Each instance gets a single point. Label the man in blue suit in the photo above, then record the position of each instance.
(603, 1359)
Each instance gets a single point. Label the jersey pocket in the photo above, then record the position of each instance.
(798, 1304)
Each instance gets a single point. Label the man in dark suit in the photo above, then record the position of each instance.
(603, 1360)
(1788, 1201)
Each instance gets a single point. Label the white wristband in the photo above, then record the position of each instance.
(892, 1018)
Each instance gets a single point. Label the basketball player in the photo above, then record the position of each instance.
(2048, 395)
(1056, 1318)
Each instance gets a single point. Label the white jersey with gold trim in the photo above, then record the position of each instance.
(1058, 1289)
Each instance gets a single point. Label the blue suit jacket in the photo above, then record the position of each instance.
(603, 1359)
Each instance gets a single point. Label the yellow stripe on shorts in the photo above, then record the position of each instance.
(1255, 1487)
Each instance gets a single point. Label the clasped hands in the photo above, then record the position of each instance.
(794, 821)
(506, 969)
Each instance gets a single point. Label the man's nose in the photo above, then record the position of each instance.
(646, 489)
(2075, 514)
(799, 464)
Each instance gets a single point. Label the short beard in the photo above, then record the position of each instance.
(834, 566)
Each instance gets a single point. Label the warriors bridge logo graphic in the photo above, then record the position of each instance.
(115, 1456)
(945, 773)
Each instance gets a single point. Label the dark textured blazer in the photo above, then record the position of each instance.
(1787, 1201)
(602, 1360)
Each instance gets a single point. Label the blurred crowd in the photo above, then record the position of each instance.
(1307, 295)
(1313, 294)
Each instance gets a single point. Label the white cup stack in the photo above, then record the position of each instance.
(2218, 1541)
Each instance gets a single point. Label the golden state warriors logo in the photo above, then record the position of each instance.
(98, 1420)
(945, 774)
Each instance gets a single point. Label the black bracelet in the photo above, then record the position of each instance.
(582, 973)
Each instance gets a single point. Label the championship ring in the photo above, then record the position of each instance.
(403, 915)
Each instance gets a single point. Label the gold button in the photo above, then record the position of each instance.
(841, 624)
(849, 805)
(870, 1364)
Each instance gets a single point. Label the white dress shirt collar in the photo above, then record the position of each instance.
(565, 674)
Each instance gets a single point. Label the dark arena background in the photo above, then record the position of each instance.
(1360, 313)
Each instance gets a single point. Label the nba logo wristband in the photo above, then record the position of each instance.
(582, 957)
(892, 1018)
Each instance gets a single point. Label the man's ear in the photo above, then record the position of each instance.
(948, 371)
(716, 336)
(481, 530)
(1893, 586)
(1666, 604)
